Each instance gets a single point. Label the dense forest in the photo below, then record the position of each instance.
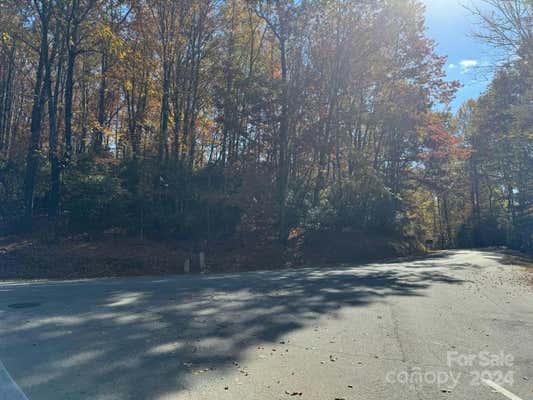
(204, 120)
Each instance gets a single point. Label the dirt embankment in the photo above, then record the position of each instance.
(79, 257)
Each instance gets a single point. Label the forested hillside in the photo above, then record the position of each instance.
(213, 120)
(496, 204)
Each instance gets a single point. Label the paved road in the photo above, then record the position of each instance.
(378, 331)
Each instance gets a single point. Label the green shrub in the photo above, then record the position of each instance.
(94, 198)
(360, 203)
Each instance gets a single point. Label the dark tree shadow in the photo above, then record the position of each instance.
(140, 337)
(510, 257)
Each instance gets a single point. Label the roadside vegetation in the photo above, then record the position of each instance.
(264, 133)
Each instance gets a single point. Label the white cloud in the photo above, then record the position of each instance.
(467, 65)
(452, 66)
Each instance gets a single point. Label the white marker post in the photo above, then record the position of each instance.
(201, 258)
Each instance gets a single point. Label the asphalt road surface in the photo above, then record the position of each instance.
(457, 325)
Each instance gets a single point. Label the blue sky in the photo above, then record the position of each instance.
(469, 60)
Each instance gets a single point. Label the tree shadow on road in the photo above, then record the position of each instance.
(143, 338)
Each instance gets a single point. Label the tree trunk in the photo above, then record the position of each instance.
(283, 169)
(39, 97)
(55, 172)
